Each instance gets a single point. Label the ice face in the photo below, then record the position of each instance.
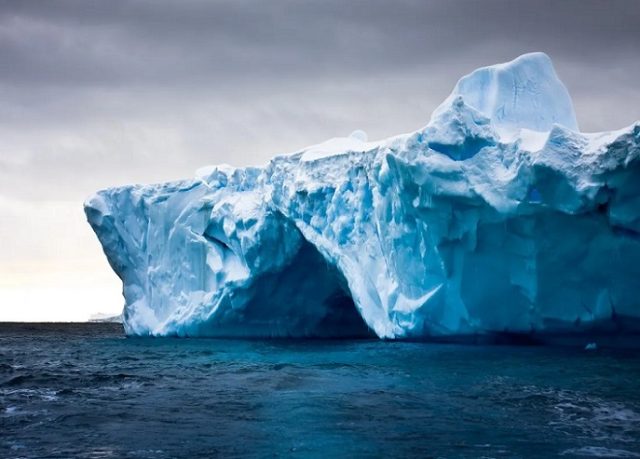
(498, 217)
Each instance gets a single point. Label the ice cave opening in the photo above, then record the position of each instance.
(306, 298)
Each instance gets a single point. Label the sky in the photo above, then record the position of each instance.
(104, 93)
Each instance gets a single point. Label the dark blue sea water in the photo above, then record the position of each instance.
(86, 391)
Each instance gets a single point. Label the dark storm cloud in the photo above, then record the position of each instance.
(179, 43)
(107, 92)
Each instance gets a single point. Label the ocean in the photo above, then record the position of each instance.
(87, 391)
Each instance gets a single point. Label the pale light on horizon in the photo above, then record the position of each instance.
(54, 269)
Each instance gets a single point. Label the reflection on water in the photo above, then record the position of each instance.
(85, 391)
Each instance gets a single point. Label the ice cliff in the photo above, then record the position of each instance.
(498, 217)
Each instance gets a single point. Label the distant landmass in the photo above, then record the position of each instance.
(102, 317)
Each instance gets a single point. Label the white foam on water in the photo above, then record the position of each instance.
(598, 451)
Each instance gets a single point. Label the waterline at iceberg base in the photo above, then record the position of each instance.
(498, 219)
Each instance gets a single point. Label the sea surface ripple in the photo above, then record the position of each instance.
(86, 391)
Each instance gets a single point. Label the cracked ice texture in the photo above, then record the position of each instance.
(498, 217)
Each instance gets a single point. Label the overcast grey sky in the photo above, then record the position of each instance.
(102, 93)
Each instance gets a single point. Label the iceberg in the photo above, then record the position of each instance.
(498, 218)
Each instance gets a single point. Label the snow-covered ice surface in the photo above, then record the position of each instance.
(497, 218)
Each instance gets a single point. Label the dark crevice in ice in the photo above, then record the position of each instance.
(307, 298)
